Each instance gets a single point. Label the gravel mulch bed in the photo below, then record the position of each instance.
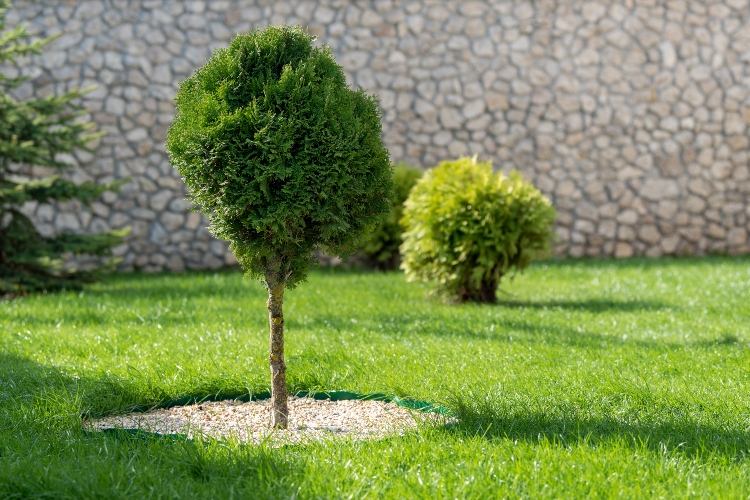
(309, 419)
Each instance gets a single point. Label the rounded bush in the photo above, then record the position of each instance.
(278, 152)
(380, 248)
(466, 227)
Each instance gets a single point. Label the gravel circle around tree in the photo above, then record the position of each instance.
(309, 420)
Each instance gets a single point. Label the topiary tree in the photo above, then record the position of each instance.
(380, 246)
(283, 158)
(40, 131)
(466, 227)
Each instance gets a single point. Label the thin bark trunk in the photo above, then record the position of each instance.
(279, 409)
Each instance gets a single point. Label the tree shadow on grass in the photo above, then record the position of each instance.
(44, 450)
(25, 382)
(691, 438)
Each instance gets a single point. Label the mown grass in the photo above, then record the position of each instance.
(595, 378)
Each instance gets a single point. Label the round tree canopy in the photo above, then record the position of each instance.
(278, 152)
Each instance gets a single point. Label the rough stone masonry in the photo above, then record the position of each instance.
(631, 115)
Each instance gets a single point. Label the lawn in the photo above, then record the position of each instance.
(589, 378)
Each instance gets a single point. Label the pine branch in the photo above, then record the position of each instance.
(85, 244)
(44, 275)
(21, 241)
(53, 189)
(36, 132)
(16, 42)
(11, 82)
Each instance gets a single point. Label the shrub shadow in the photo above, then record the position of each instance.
(588, 305)
(500, 330)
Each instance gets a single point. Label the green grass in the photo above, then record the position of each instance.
(598, 378)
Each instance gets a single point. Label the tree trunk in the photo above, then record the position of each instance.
(279, 409)
(486, 293)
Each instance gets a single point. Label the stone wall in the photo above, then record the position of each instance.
(631, 115)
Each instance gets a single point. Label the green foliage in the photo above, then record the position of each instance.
(467, 227)
(380, 248)
(37, 131)
(278, 152)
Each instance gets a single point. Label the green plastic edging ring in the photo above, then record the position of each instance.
(335, 395)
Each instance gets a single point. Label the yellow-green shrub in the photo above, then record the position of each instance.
(465, 227)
